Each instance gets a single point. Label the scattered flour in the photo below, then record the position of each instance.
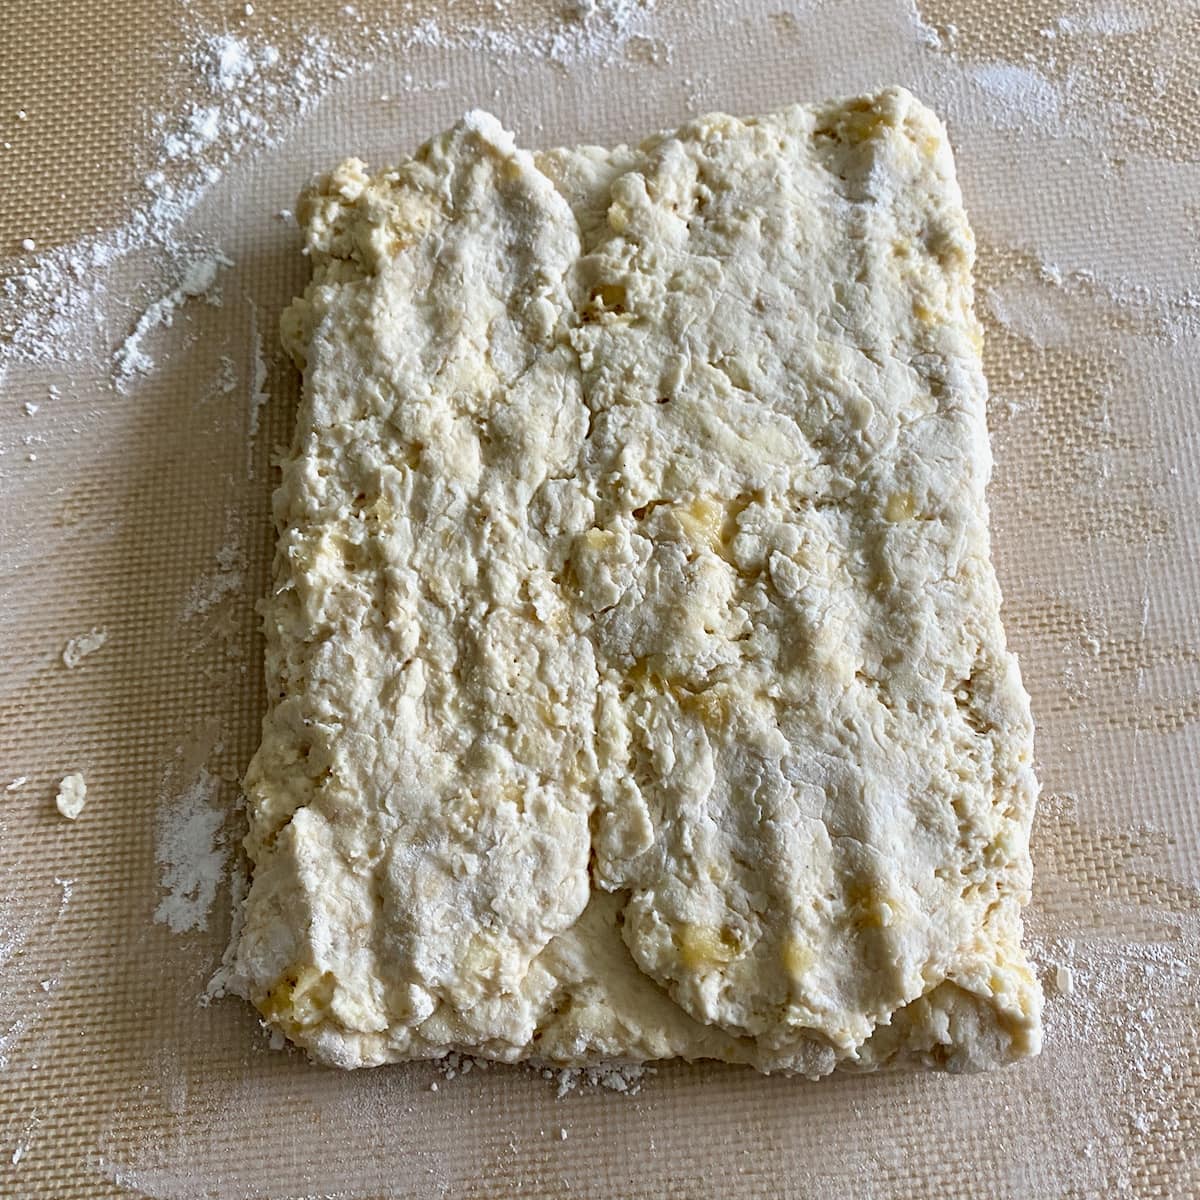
(53, 309)
(1015, 96)
(72, 796)
(1121, 1010)
(60, 308)
(258, 392)
(1107, 22)
(199, 279)
(929, 36)
(227, 580)
(1171, 315)
(226, 981)
(258, 389)
(586, 30)
(1166, 314)
(228, 61)
(223, 381)
(24, 1142)
(78, 648)
(11, 1037)
(1024, 307)
(190, 854)
(17, 784)
(234, 70)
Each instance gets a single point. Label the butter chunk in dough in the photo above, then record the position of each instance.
(637, 681)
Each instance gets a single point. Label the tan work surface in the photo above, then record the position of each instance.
(143, 510)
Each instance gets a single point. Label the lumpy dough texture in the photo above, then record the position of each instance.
(637, 683)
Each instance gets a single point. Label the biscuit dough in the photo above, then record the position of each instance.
(637, 683)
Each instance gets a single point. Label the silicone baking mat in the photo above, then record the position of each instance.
(151, 152)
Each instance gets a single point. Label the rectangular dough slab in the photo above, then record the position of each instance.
(637, 681)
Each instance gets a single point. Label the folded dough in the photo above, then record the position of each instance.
(637, 683)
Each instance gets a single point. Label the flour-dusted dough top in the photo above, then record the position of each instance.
(637, 681)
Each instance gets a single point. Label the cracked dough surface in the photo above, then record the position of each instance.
(637, 683)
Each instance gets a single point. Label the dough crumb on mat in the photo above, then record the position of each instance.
(72, 796)
(78, 648)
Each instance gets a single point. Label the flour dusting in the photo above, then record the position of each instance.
(60, 307)
(199, 278)
(258, 387)
(1107, 22)
(1024, 307)
(1106, 1013)
(1041, 125)
(191, 854)
(10, 1038)
(227, 580)
(1016, 95)
(586, 30)
(225, 980)
(258, 391)
(66, 891)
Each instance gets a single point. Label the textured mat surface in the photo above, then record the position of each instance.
(135, 499)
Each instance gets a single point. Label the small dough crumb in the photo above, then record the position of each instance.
(1064, 980)
(78, 648)
(72, 796)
